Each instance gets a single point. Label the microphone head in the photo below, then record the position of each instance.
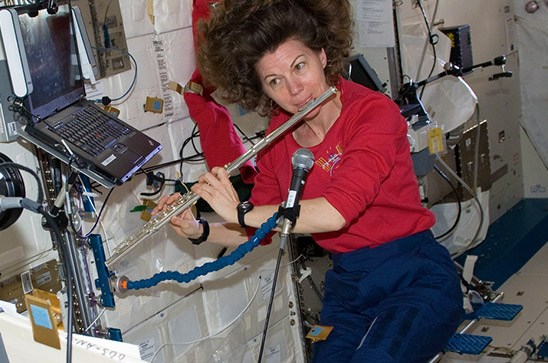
(303, 159)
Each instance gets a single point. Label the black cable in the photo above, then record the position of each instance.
(259, 135)
(270, 302)
(195, 147)
(98, 216)
(168, 163)
(134, 80)
(457, 195)
(106, 12)
(246, 138)
(95, 187)
(69, 278)
(197, 157)
(195, 133)
(17, 107)
(153, 127)
(312, 282)
(432, 39)
(161, 178)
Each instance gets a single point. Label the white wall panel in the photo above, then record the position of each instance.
(172, 14)
(531, 34)
(535, 173)
(137, 18)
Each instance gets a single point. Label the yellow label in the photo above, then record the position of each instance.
(154, 104)
(319, 332)
(44, 323)
(435, 140)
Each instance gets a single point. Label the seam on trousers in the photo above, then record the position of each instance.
(368, 330)
(378, 335)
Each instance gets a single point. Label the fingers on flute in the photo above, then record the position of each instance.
(159, 205)
(224, 179)
(165, 200)
(217, 171)
(207, 184)
(211, 179)
(221, 174)
(184, 225)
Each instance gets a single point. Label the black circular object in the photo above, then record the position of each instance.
(11, 185)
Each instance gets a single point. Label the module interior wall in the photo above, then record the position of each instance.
(499, 100)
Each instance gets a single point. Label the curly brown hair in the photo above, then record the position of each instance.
(240, 32)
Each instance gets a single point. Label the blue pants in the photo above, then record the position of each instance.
(399, 302)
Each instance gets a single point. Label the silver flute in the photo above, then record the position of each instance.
(187, 200)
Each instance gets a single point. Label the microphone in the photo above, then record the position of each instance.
(302, 161)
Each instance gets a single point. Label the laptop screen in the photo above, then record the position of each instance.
(52, 60)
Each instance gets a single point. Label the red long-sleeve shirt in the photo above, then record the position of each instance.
(362, 167)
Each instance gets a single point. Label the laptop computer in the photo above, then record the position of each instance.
(59, 118)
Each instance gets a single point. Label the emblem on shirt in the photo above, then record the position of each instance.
(330, 160)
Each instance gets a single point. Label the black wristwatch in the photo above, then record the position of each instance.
(243, 208)
(205, 233)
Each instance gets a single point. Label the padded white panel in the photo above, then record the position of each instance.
(10, 32)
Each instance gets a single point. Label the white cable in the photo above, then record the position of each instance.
(219, 331)
(97, 318)
(287, 264)
(230, 323)
(476, 150)
(29, 260)
(467, 187)
(475, 173)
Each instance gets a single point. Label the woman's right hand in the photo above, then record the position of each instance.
(184, 224)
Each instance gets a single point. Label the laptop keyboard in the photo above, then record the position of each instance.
(91, 130)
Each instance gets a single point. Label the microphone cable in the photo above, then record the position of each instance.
(68, 280)
(271, 301)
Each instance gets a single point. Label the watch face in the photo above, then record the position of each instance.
(245, 206)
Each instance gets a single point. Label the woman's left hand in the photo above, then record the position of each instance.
(217, 190)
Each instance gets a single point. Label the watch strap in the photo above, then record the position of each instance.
(205, 233)
(241, 218)
(243, 208)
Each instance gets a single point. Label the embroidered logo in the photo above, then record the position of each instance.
(331, 159)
